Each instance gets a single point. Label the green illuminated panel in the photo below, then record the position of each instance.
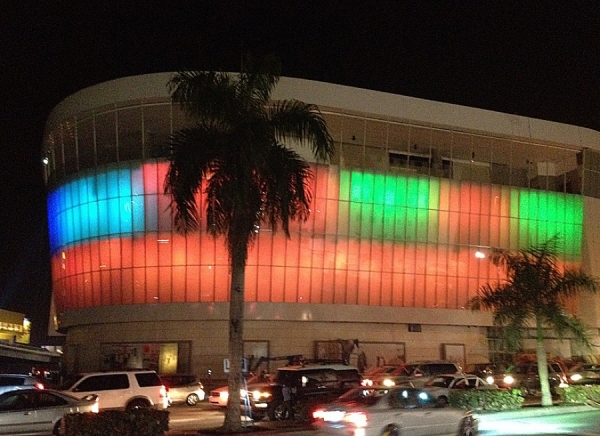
(541, 215)
(387, 206)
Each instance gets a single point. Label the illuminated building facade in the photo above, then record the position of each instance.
(14, 327)
(401, 221)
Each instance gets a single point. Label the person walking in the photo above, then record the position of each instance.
(287, 402)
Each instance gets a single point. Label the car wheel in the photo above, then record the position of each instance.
(192, 400)
(391, 430)
(59, 428)
(137, 404)
(441, 401)
(467, 427)
(278, 412)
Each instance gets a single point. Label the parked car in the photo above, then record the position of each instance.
(413, 374)
(524, 376)
(376, 375)
(218, 397)
(121, 389)
(9, 380)
(309, 384)
(585, 374)
(391, 411)
(439, 387)
(485, 370)
(34, 411)
(183, 388)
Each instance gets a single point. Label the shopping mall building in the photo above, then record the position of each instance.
(402, 220)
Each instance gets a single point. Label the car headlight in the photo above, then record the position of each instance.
(509, 380)
(490, 379)
(576, 377)
(257, 395)
(388, 383)
(367, 382)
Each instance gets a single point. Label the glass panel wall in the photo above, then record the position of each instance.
(389, 239)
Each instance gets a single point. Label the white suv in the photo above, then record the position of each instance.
(122, 389)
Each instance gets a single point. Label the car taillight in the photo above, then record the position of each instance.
(39, 386)
(318, 414)
(359, 419)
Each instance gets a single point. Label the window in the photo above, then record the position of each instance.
(410, 399)
(12, 381)
(45, 399)
(409, 160)
(146, 379)
(103, 383)
(15, 401)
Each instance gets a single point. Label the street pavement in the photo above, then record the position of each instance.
(275, 427)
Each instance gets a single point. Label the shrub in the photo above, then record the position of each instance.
(138, 422)
(582, 394)
(486, 399)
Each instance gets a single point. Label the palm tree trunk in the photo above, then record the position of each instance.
(233, 421)
(542, 363)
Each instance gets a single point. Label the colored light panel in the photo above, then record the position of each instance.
(541, 215)
(387, 206)
(373, 239)
(100, 204)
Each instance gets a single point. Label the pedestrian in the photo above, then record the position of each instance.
(287, 401)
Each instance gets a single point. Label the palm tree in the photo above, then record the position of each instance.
(234, 152)
(535, 290)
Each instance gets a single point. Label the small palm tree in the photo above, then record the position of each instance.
(535, 290)
(235, 154)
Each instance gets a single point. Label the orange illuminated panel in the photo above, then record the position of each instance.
(263, 283)
(221, 282)
(277, 285)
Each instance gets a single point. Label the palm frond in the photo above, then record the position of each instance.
(303, 122)
(258, 78)
(535, 289)
(205, 95)
(191, 161)
(284, 183)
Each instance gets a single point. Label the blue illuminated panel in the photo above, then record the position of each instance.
(101, 204)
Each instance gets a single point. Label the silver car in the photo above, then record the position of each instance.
(183, 388)
(392, 412)
(39, 411)
(10, 380)
(439, 387)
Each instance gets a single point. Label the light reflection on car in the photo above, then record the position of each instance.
(391, 411)
(35, 411)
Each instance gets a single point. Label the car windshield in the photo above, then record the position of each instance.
(410, 369)
(440, 381)
(70, 381)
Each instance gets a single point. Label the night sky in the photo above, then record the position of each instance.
(533, 58)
